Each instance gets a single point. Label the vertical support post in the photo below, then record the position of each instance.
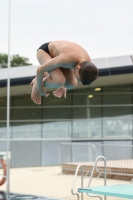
(82, 182)
(72, 152)
(105, 176)
(8, 103)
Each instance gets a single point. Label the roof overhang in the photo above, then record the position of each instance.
(109, 74)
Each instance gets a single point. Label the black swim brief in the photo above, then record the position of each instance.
(44, 47)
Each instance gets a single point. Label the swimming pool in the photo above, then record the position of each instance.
(14, 196)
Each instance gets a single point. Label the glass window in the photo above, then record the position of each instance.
(26, 113)
(56, 113)
(91, 96)
(117, 99)
(117, 111)
(117, 127)
(24, 109)
(22, 100)
(26, 130)
(87, 128)
(117, 121)
(117, 88)
(3, 108)
(53, 101)
(3, 101)
(3, 130)
(3, 112)
(87, 114)
(79, 112)
(61, 129)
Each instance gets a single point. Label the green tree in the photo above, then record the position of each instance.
(15, 61)
(3, 60)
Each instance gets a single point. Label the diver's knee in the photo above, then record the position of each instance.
(71, 85)
(61, 81)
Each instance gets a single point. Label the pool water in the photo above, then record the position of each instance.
(14, 196)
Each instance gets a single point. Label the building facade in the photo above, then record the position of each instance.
(100, 113)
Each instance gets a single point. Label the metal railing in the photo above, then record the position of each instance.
(119, 159)
(80, 167)
(75, 153)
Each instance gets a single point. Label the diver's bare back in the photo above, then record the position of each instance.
(76, 52)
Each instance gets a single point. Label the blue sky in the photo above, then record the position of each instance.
(103, 27)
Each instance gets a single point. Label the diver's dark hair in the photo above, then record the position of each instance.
(88, 72)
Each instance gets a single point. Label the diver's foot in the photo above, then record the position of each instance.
(35, 95)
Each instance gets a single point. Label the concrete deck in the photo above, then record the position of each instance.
(46, 181)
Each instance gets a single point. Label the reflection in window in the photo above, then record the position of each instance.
(109, 113)
(117, 127)
(24, 130)
(87, 128)
(3, 130)
(57, 129)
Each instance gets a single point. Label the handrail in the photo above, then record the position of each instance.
(76, 144)
(74, 181)
(94, 167)
(95, 164)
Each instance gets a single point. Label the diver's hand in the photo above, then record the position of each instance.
(61, 91)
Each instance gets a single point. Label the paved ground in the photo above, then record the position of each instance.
(46, 181)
